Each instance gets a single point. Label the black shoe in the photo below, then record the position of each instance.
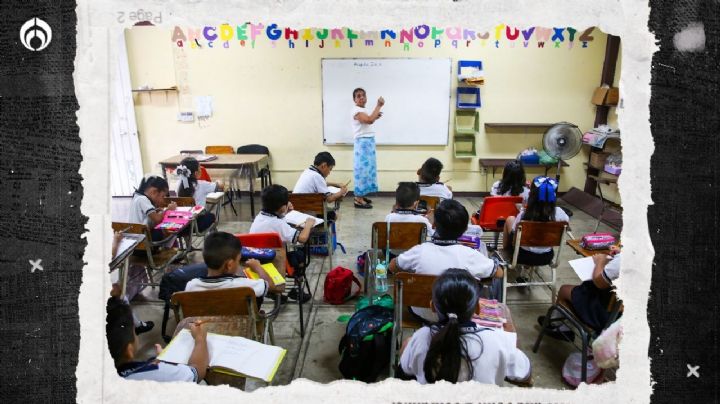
(293, 294)
(283, 299)
(363, 205)
(145, 327)
(367, 200)
(523, 289)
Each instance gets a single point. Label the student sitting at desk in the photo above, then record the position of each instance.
(221, 253)
(513, 182)
(146, 202)
(191, 186)
(589, 300)
(432, 258)
(455, 349)
(407, 196)
(429, 180)
(123, 344)
(313, 180)
(140, 326)
(275, 204)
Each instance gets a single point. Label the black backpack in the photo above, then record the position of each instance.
(175, 281)
(365, 347)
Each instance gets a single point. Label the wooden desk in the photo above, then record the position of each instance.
(575, 245)
(237, 326)
(121, 261)
(279, 262)
(226, 161)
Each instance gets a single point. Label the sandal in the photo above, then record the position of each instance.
(363, 205)
(367, 200)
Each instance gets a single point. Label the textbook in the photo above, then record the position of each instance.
(271, 271)
(297, 219)
(232, 355)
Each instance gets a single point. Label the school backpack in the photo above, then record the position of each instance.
(338, 286)
(365, 347)
(175, 281)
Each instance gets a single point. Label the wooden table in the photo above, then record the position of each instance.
(237, 326)
(226, 161)
(121, 261)
(575, 245)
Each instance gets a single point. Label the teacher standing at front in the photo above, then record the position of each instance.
(365, 162)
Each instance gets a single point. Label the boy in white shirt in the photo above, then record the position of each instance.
(221, 253)
(433, 258)
(407, 196)
(313, 179)
(275, 204)
(429, 180)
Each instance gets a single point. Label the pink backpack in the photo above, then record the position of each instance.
(597, 241)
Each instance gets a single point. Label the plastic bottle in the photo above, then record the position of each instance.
(381, 285)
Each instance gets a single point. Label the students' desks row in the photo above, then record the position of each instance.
(243, 163)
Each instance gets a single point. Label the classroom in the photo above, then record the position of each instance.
(477, 100)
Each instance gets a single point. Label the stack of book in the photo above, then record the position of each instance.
(491, 314)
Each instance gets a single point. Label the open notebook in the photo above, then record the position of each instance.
(232, 355)
(297, 219)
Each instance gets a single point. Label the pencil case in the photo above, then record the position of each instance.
(263, 255)
(597, 241)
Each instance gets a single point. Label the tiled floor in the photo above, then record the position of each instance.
(316, 356)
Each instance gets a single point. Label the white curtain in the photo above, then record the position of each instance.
(126, 165)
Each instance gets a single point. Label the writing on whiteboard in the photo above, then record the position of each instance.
(367, 64)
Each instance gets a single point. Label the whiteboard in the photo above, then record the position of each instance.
(416, 93)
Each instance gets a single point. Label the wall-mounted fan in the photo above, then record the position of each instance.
(562, 141)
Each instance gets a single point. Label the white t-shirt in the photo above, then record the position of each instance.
(438, 189)
(227, 281)
(560, 216)
(407, 217)
(495, 191)
(202, 189)
(495, 350)
(311, 182)
(612, 269)
(360, 129)
(139, 209)
(268, 223)
(159, 372)
(432, 259)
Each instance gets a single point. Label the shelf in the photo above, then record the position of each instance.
(517, 125)
(468, 97)
(467, 122)
(464, 145)
(495, 163)
(470, 72)
(149, 91)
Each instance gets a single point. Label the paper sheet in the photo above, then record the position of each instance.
(125, 243)
(296, 218)
(583, 267)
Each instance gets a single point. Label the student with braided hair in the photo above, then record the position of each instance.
(455, 349)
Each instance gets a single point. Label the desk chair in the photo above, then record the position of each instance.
(272, 240)
(314, 205)
(493, 212)
(560, 312)
(534, 234)
(227, 302)
(188, 201)
(236, 326)
(263, 173)
(428, 202)
(231, 188)
(403, 236)
(156, 258)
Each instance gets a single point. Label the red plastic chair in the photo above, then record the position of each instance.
(273, 240)
(494, 211)
(204, 174)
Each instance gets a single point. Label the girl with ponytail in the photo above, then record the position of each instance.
(455, 349)
(190, 186)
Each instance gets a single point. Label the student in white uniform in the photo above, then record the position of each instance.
(444, 251)
(455, 349)
(313, 180)
(275, 204)
(429, 180)
(123, 344)
(512, 182)
(540, 208)
(590, 299)
(190, 186)
(407, 196)
(147, 202)
(221, 253)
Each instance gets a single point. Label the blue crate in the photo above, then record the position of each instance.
(473, 91)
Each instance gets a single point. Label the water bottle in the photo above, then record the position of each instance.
(381, 285)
